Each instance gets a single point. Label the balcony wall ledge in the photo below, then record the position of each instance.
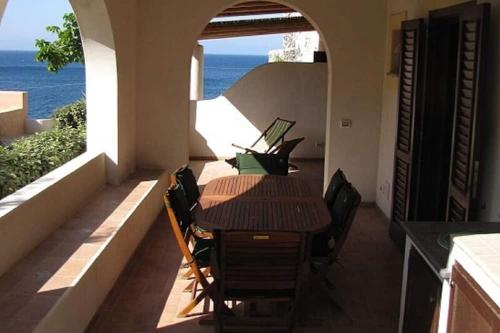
(32, 213)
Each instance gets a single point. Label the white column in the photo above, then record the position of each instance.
(321, 47)
(3, 3)
(197, 70)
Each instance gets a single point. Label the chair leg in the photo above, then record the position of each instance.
(189, 288)
(188, 308)
(188, 274)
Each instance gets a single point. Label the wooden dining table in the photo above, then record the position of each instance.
(261, 203)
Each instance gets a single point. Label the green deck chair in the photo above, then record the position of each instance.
(270, 137)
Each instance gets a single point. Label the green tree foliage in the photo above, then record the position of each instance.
(67, 48)
(29, 158)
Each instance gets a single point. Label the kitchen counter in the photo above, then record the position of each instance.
(424, 236)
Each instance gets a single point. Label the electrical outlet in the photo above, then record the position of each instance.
(319, 145)
(345, 123)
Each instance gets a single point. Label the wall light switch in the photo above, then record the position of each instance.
(345, 123)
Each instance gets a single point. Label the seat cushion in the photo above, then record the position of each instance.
(336, 182)
(201, 251)
(262, 164)
(187, 180)
(319, 244)
(180, 206)
(347, 200)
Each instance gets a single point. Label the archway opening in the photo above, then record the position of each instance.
(99, 78)
(290, 82)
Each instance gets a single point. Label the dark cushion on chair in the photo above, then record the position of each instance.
(336, 182)
(262, 164)
(201, 251)
(319, 244)
(187, 180)
(180, 206)
(347, 199)
(342, 211)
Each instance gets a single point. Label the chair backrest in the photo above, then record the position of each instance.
(260, 264)
(285, 148)
(179, 217)
(262, 164)
(336, 182)
(343, 212)
(275, 132)
(185, 177)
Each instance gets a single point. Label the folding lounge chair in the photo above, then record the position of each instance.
(274, 162)
(269, 138)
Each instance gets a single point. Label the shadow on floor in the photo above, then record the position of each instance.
(367, 281)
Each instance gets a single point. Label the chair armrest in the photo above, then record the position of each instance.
(247, 150)
(238, 146)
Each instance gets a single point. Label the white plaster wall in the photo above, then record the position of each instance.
(3, 3)
(353, 33)
(293, 91)
(13, 111)
(490, 147)
(108, 36)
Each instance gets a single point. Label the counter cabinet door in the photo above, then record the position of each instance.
(471, 310)
(423, 292)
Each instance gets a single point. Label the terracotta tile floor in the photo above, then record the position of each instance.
(148, 294)
(34, 285)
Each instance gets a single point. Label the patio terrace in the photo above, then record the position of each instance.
(149, 293)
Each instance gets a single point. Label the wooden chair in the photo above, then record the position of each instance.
(343, 211)
(257, 267)
(180, 219)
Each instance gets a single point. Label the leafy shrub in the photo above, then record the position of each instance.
(29, 158)
(72, 115)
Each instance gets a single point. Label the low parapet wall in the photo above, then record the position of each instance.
(295, 91)
(13, 112)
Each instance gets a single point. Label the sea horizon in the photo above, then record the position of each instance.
(221, 54)
(49, 91)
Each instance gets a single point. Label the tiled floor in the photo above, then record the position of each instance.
(149, 293)
(34, 286)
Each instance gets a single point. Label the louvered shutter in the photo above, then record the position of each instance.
(412, 36)
(464, 156)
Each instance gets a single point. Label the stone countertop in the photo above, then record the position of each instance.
(484, 254)
(425, 237)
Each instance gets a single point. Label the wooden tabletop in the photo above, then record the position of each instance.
(261, 203)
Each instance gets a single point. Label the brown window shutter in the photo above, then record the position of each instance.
(412, 43)
(465, 153)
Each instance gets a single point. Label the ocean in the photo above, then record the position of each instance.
(48, 91)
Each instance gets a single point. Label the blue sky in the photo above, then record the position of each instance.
(25, 20)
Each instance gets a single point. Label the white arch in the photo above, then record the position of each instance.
(101, 80)
(327, 49)
(3, 3)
